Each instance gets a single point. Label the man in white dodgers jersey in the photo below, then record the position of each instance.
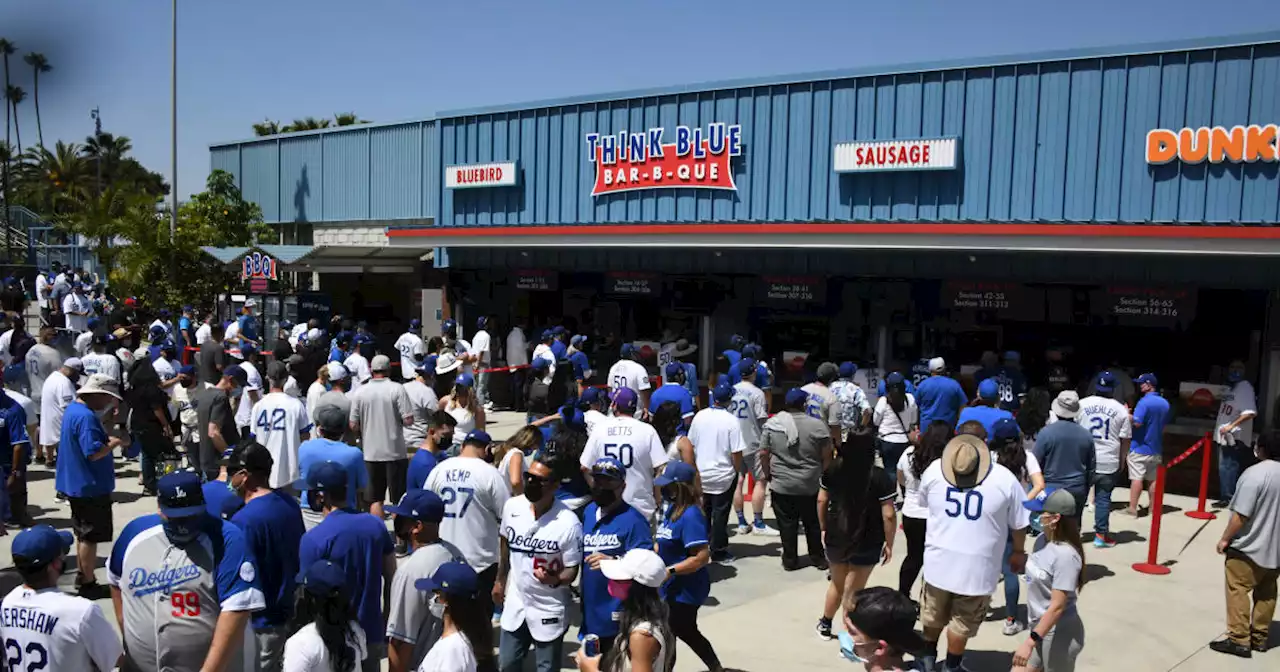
(633, 443)
(281, 423)
(751, 410)
(1108, 422)
(51, 629)
(184, 585)
(627, 372)
(973, 505)
(474, 494)
(410, 345)
(541, 554)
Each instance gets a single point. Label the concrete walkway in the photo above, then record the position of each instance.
(761, 619)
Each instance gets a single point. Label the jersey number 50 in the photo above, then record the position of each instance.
(13, 653)
(971, 507)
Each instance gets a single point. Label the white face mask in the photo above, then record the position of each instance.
(436, 607)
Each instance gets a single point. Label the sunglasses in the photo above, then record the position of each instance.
(534, 478)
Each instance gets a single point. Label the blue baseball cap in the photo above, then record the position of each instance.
(674, 368)
(578, 339)
(746, 366)
(628, 351)
(558, 329)
(415, 324)
(590, 396)
(286, 324)
(795, 396)
(447, 325)
(1012, 356)
(1005, 428)
(847, 369)
(420, 504)
(156, 329)
(94, 323)
(625, 399)
(722, 393)
(323, 578)
(676, 472)
(465, 380)
(1147, 378)
(737, 341)
(361, 338)
(451, 578)
(180, 495)
(894, 378)
(40, 545)
(186, 370)
(477, 436)
(481, 321)
(751, 350)
(540, 364)
(547, 335)
(609, 467)
(1106, 381)
(324, 476)
(988, 389)
(248, 348)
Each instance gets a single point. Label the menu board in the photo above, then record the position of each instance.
(787, 291)
(535, 280)
(1145, 306)
(631, 283)
(1006, 300)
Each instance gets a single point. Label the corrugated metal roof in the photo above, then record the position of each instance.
(285, 254)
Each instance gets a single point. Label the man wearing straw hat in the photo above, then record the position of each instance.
(973, 503)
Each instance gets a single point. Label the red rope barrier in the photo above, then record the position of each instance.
(1153, 544)
(1201, 513)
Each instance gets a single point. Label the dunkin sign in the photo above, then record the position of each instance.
(1238, 144)
(698, 159)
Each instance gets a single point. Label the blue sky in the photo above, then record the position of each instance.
(240, 62)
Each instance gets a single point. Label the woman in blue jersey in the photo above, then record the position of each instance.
(684, 545)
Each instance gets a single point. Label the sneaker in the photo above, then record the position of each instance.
(39, 459)
(821, 565)
(1012, 626)
(824, 629)
(744, 528)
(765, 530)
(1229, 647)
(1260, 648)
(1104, 541)
(723, 557)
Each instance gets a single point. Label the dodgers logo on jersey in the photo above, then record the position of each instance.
(600, 541)
(530, 544)
(142, 582)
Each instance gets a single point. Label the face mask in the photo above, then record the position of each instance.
(668, 494)
(436, 607)
(104, 413)
(848, 648)
(1235, 376)
(445, 440)
(182, 531)
(404, 528)
(619, 590)
(1047, 521)
(460, 391)
(533, 489)
(314, 502)
(605, 497)
(74, 377)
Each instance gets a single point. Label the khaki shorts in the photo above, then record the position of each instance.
(1143, 467)
(751, 465)
(961, 614)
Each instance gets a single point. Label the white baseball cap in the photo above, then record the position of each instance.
(937, 364)
(640, 565)
(337, 371)
(250, 303)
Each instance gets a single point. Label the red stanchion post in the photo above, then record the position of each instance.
(1201, 513)
(1153, 543)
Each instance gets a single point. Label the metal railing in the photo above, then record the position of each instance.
(39, 238)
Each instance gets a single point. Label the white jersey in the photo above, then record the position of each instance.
(543, 351)
(636, 445)
(408, 345)
(279, 421)
(480, 348)
(83, 342)
(627, 373)
(716, 436)
(244, 415)
(57, 395)
(591, 417)
(869, 380)
(1108, 421)
(1237, 400)
(749, 407)
(51, 630)
(76, 303)
(474, 494)
(204, 333)
(552, 542)
(292, 388)
(104, 363)
(967, 529)
(358, 366)
(28, 406)
(296, 333)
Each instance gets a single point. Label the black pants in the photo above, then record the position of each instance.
(911, 565)
(792, 511)
(716, 508)
(516, 381)
(683, 619)
(484, 589)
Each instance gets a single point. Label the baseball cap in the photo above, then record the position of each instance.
(250, 302)
(415, 324)
(131, 301)
(628, 351)
(1053, 500)
(248, 349)
(157, 330)
(451, 578)
(179, 495)
(751, 350)
(323, 578)
(590, 396)
(578, 339)
(640, 565)
(558, 329)
(286, 324)
(251, 456)
(325, 476)
(937, 364)
(894, 378)
(625, 399)
(277, 370)
(380, 363)
(185, 370)
(795, 396)
(477, 436)
(40, 545)
(448, 324)
(847, 369)
(1067, 405)
(1012, 356)
(101, 384)
(988, 389)
(547, 335)
(74, 364)
(238, 374)
(330, 418)
(337, 371)
(1005, 428)
(465, 380)
(966, 461)
(722, 393)
(746, 366)
(609, 467)
(737, 341)
(674, 369)
(419, 504)
(1106, 381)
(94, 323)
(540, 364)
(675, 472)
(828, 371)
(1147, 378)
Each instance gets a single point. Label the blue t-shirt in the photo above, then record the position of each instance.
(940, 398)
(337, 355)
(82, 436)
(13, 430)
(357, 542)
(734, 356)
(1149, 418)
(1011, 384)
(420, 468)
(691, 378)
(763, 381)
(580, 365)
(672, 392)
(248, 327)
(184, 331)
(675, 540)
(319, 451)
(614, 535)
(987, 415)
(220, 500)
(153, 351)
(559, 349)
(273, 529)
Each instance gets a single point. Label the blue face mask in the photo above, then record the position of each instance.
(1235, 376)
(847, 648)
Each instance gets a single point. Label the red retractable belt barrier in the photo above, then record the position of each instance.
(1151, 566)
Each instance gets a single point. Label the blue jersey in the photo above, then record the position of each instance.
(920, 371)
(336, 354)
(357, 542)
(420, 468)
(987, 415)
(559, 349)
(13, 430)
(621, 531)
(580, 365)
(672, 392)
(1149, 418)
(319, 451)
(940, 398)
(676, 540)
(220, 500)
(1012, 385)
(82, 436)
(272, 526)
(248, 327)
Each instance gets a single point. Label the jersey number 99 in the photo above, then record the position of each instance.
(185, 604)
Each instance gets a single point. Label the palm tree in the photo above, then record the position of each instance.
(348, 119)
(38, 64)
(7, 49)
(267, 127)
(48, 176)
(106, 151)
(15, 95)
(97, 218)
(305, 124)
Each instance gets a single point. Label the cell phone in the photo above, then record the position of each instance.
(591, 646)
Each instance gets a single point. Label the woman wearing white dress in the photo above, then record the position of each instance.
(467, 636)
(330, 640)
(644, 642)
(464, 406)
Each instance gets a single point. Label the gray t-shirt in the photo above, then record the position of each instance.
(1258, 499)
(409, 616)
(42, 360)
(1050, 567)
(339, 399)
(823, 404)
(379, 408)
(423, 402)
(796, 469)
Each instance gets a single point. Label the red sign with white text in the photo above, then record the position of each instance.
(696, 160)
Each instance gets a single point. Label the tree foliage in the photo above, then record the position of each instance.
(269, 127)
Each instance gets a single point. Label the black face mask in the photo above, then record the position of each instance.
(534, 489)
(404, 528)
(668, 494)
(605, 497)
(314, 501)
(182, 531)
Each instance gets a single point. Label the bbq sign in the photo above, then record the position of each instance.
(258, 266)
(698, 159)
